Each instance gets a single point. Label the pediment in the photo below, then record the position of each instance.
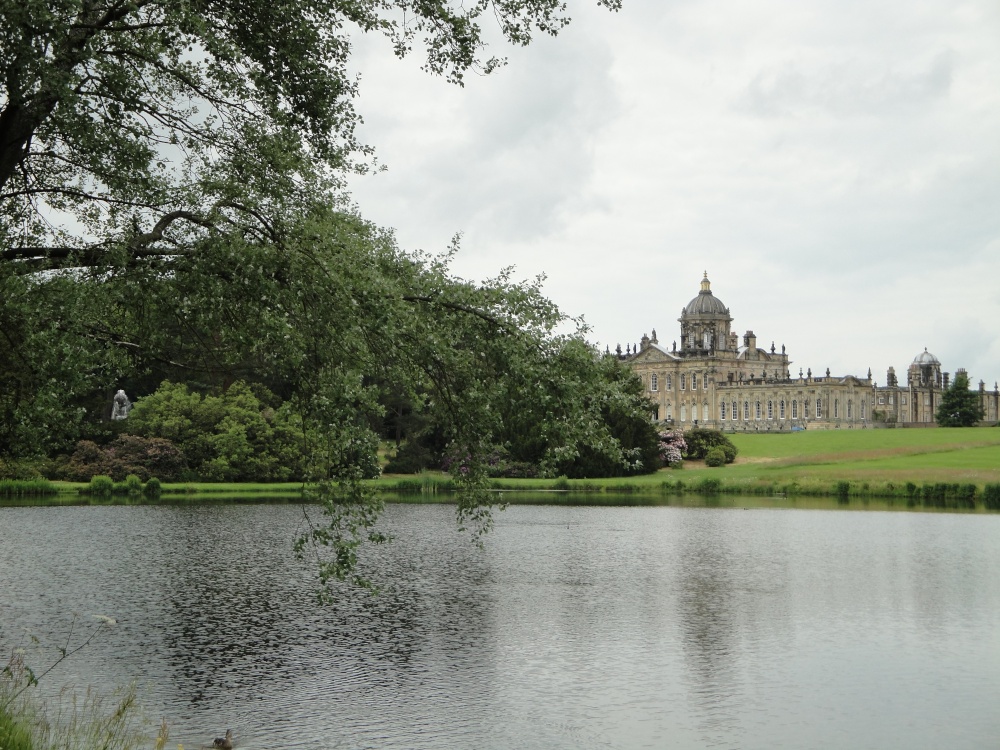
(652, 354)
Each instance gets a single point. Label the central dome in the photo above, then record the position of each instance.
(706, 303)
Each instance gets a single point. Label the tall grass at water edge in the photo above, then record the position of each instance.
(73, 722)
(26, 487)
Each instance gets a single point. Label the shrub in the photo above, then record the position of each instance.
(127, 454)
(708, 486)
(515, 470)
(672, 447)
(701, 440)
(101, 486)
(152, 488)
(411, 457)
(133, 485)
(715, 457)
(236, 436)
(991, 496)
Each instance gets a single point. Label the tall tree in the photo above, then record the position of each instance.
(959, 407)
(171, 196)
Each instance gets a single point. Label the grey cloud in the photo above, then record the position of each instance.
(846, 88)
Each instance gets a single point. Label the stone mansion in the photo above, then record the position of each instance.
(713, 379)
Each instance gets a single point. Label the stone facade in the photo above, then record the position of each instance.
(711, 377)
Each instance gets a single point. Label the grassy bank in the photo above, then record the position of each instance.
(945, 466)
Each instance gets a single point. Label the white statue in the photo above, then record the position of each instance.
(121, 406)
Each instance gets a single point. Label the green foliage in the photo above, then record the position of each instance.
(578, 413)
(959, 407)
(716, 456)
(416, 454)
(194, 153)
(152, 488)
(30, 487)
(133, 485)
(707, 486)
(991, 496)
(15, 731)
(101, 486)
(700, 440)
(228, 437)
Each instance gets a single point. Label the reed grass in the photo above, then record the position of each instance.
(26, 487)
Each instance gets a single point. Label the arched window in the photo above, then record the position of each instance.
(819, 408)
(683, 382)
(704, 412)
(758, 410)
(670, 383)
(670, 411)
(654, 382)
(781, 409)
(684, 413)
(722, 411)
(694, 381)
(746, 411)
(656, 413)
(770, 409)
(795, 409)
(836, 408)
(736, 412)
(850, 409)
(863, 404)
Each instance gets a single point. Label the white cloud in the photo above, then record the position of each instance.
(833, 166)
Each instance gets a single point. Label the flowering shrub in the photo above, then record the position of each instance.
(672, 447)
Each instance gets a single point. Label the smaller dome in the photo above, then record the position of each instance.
(926, 358)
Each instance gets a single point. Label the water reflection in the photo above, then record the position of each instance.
(597, 627)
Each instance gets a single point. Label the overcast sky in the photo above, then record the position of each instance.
(833, 166)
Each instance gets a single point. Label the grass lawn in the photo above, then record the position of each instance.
(873, 462)
(885, 462)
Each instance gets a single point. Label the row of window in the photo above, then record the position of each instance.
(654, 382)
(734, 413)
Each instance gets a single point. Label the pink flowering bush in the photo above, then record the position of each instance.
(672, 447)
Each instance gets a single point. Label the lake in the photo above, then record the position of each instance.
(574, 627)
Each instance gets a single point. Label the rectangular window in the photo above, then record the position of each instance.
(684, 382)
(795, 409)
(770, 409)
(746, 411)
(694, 381)
(757, 412)
(891, 397)
(736, 413)
(654, 382)
(722, 411)
(881, 399)
(819, 408)
(670, 383)
(781, 409)
(902, 401)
